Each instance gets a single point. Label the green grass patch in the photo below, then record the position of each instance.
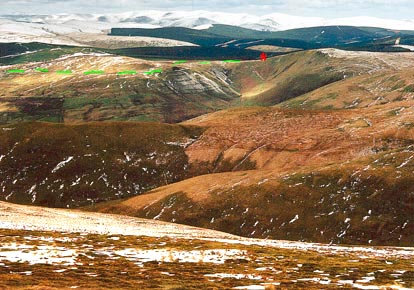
(154, 71)
(16, 71)
(64, 72)
(94, 72)
(232, 61)
(39, 52)
(179, 62)
(43, 70)
(127, 72)
(409, 89)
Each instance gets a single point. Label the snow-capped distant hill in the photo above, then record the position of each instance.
(194, 19)
(50, 28)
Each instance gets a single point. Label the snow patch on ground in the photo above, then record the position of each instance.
(61, 164)
(41, 255)
(216, 256)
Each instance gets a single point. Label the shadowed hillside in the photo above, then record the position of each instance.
(67, 166)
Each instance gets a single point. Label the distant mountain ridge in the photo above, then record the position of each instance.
(196, 19)
(220, 35)
(186, 28)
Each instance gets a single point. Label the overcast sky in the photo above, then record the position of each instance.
(394, 9)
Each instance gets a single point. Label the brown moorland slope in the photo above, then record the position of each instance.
(287, 77)
(321, 176)
(389, 81)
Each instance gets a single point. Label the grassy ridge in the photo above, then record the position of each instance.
(15, 53)
(190, 52)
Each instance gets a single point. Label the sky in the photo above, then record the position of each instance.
(392, 9)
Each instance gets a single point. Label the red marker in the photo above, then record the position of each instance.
(263, 56)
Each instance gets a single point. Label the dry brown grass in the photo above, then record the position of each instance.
(284, 266)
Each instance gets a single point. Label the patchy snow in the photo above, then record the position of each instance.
(226, 43)
(21, 217)
(127, 157)
(405, 162)
(235, 276)
(409, 47)
(41, 255)
(215, 256)
(61, 164)
(251, 287)
(183, 143)
(77, 54)
(263, 181)
(294, 219)
(400, 252)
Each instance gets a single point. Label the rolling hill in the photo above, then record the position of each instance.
(171, 94)
(179, 91)
(346, 37)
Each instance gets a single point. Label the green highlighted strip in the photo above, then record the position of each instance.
(43, 70)
(16, 71)
(180, 62)
(126, 72)
(64, 72)
(154, 71)
(94, 72)
(232, 61)
(205, 62)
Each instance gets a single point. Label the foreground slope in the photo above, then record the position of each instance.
(51, 249)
